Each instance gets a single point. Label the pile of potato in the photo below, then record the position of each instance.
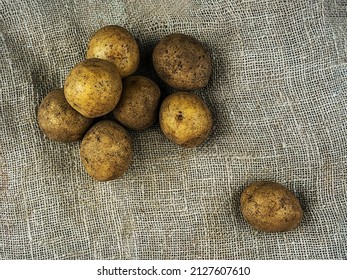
(104, 84)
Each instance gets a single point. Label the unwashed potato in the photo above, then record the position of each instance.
(185, 119)
(59, 121)
(117, 45)
(93, 87)
(138, 106)
(270, 207)
(106, 151)
(182, 62)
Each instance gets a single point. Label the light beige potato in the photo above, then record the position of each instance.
(138, 106)
(93, 87)
(185, 119)
(182, 62)
(59, 121)
(270, 207)
(106, 151)
(117, 45)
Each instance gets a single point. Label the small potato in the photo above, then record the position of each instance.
(59, 121)
(270, 207)
(93, 87)
(138, 106)
(117, 45)
(106, 151)
(182, 62)
(185, 119)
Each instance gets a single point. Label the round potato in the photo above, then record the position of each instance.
(106, 151)
(182, 62)
(185, 119)
(59, 121)
(93, 87)
(138, 106)
(270, 207)
(117, 45)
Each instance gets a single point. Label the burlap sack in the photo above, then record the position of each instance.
(278, 97)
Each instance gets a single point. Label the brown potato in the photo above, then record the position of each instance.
(185, 119)
(106, 151)
(93, 87)
(270, 207)
(182, 62)
(138, 106)
(117, 45)
(59, 121)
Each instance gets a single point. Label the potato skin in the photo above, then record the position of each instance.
(59, 121)
(270, 207)
(182, 62)
(93, 87)
(106, 151)
(117, 45)
(138, 106)
(185, 119)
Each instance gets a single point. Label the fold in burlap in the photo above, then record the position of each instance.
(278, 97)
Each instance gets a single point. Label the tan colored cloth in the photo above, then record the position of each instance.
(278, 97)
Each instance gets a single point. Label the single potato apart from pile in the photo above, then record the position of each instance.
(270, 207)
(117, 45)
(185, 119)
(93, 87)
(106, 151)
(59, 121)
(138, 106)
(182, 62)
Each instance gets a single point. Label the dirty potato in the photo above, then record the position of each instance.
(270, 207)
(117, 45)
(93, 87)
(182, 62)
(106, 151)
(185, 119)
(59, 121)
(138, 106)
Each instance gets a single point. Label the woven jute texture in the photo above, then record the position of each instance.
(278, 98)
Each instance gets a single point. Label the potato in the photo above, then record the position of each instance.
(182, 62)
(106, 151)
(138, 106)
(185, 119)
(93, 87)
(117, 45)
(59, 121)
(270, 207)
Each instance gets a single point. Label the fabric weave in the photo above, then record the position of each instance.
(278, 98)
